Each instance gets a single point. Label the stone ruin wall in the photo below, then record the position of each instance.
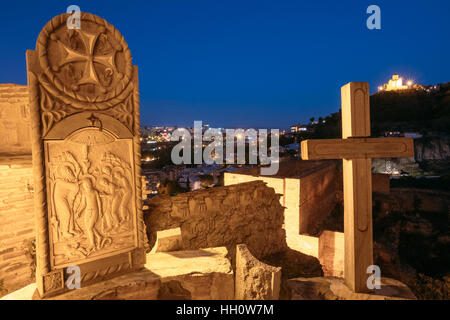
(14, 120)
(16, 189)
(248, 213)
(317, 197)
(17, 225)
(308, 195)
(199, 228)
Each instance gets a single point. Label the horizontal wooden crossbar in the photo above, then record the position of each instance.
(357, 148)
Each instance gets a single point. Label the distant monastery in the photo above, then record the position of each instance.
(396, 83)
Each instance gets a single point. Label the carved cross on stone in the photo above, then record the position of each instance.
(357, 150)
(87, 164)
(88, 57)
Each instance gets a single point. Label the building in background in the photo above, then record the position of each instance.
(396, 83)
(299, 128)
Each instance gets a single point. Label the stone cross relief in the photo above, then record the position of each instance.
(357, 150)
(90, 42)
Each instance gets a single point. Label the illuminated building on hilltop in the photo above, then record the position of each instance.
(396, 83)
(299, 128)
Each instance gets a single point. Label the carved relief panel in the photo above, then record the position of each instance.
(86, 153)
(92, 202)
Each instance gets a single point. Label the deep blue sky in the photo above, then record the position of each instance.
(251, 63)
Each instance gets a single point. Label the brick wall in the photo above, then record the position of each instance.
(17, 223)
(14, 120)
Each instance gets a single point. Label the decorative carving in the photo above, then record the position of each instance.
(84, 69)
(87, 167)
(124, 111)
(91, 196)
(54, 281)
(96, 56)
(52, 110)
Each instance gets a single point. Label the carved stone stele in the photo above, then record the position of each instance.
(84, 104)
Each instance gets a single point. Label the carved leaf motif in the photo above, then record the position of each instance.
(53, 281)
(52, 111)
(124, 113)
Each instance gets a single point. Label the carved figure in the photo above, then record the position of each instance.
(122, 203)
(65, 189)
(91, 205)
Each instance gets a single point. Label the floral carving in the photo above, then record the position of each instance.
(52, 111)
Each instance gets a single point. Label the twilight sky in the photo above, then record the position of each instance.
(260, 64)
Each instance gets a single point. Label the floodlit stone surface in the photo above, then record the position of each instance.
(194, 274)
(255, 280)
(332, 288)
(247, 213)
(84, 116)
(17, 223)
(14, 120)
(168, 240)
(331, 253)
(307, 191)
(204, 273)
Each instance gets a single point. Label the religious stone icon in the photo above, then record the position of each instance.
(84, 103)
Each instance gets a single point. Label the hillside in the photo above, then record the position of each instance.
(405, 111)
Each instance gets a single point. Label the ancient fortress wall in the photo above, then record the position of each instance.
(14, 120)
(307, 189)
(17, 223)
(247, 213)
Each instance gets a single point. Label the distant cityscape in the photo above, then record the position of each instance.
(166, 178)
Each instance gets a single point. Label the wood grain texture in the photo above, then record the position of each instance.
(357, 222)
(355, 110)
(357, 148)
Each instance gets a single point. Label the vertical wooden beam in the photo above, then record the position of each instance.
(355, 110)
(357, 188)
(357, 222)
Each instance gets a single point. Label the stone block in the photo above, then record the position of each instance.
(204, 274)
(168, 240)
(331, 253)
(255, 280)
(331, 288)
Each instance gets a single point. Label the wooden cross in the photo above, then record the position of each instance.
(357, 151)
